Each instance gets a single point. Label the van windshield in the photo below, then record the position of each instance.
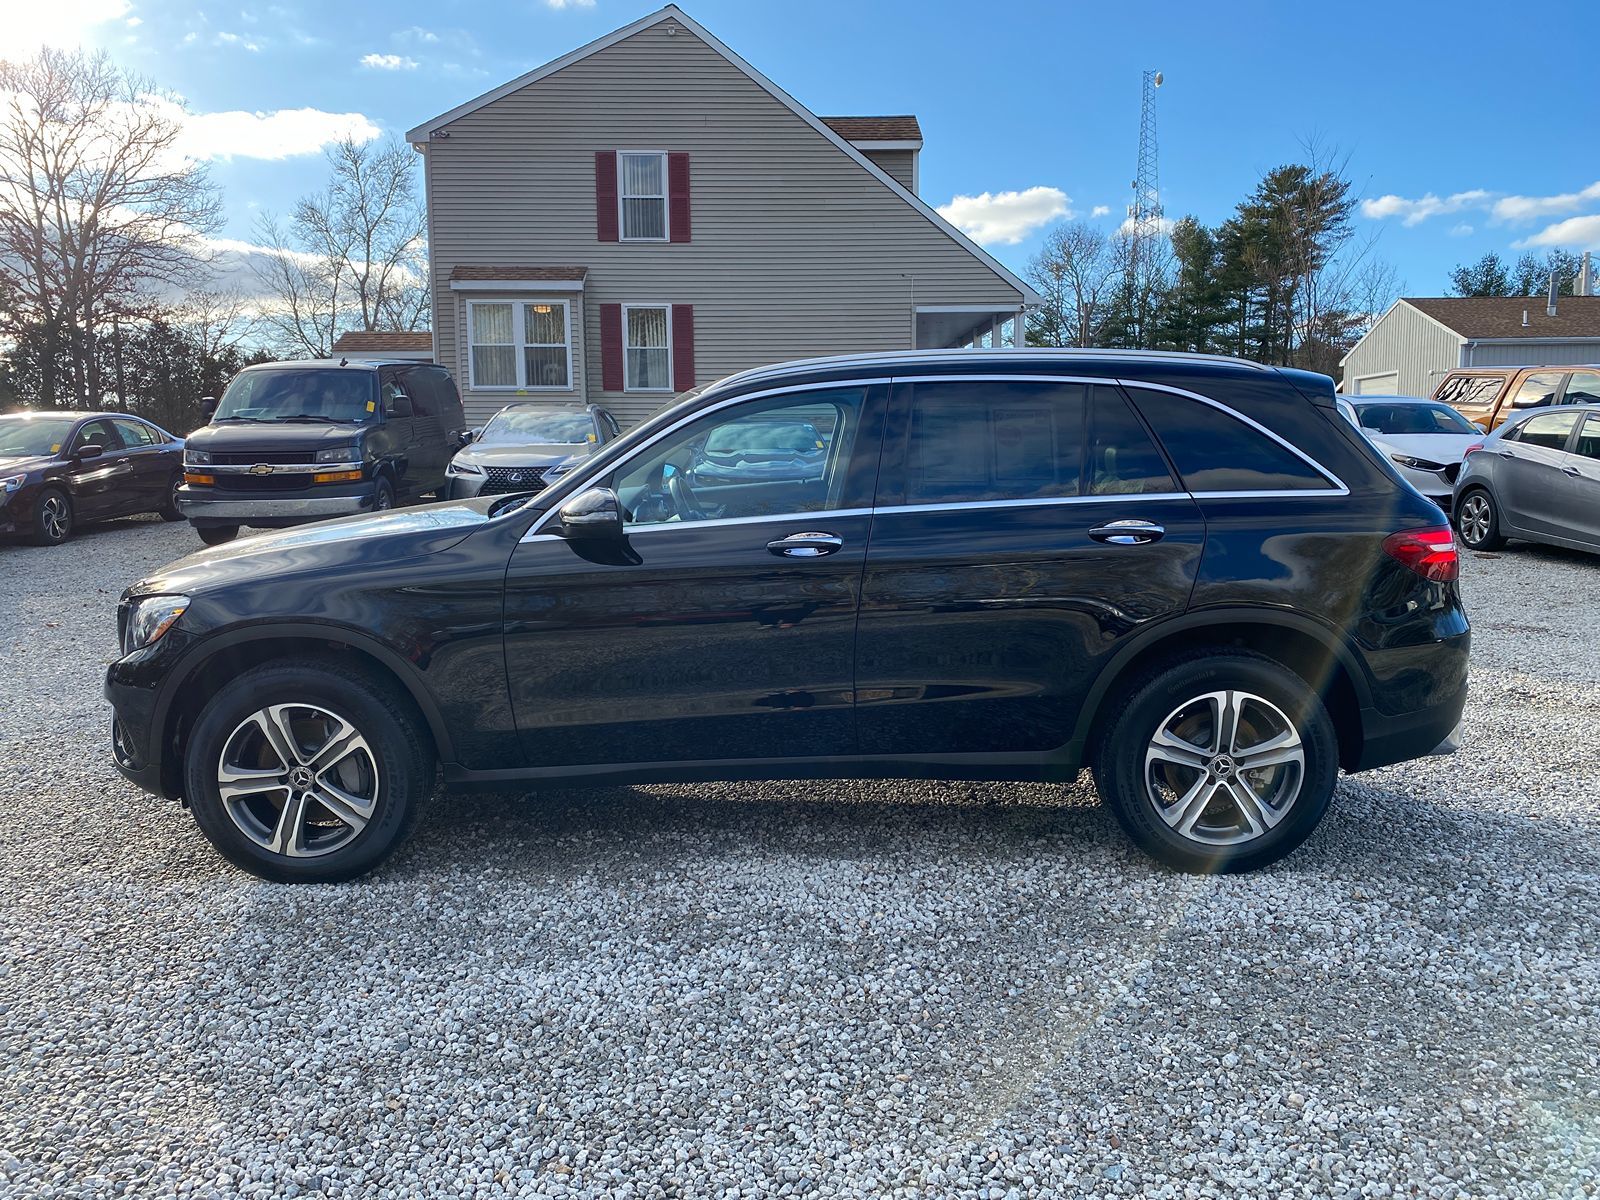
(315, 394)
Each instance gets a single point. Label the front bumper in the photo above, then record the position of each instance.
(271, 511)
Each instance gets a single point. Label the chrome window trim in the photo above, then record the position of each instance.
(579, 477)
(1028, 502)
(814, 515)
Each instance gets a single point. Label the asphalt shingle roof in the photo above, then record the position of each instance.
(519, 272)
(875, 129)
(364, 341)
(1501, 316)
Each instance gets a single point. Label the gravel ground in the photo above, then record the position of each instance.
(902, 989)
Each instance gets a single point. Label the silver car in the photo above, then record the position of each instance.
(1537, 477)
(1426, 440)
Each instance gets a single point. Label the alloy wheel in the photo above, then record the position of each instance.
(55, 517)
(1475, 518)
(298, 780)
(1224, 767)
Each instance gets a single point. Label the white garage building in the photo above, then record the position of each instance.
(1412, 345)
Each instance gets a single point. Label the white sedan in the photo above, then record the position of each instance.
(1425, 440)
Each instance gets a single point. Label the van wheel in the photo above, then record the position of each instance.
(1218, 762)
(383, 495)
(1478, 521)
(305, 773)
(216, 535)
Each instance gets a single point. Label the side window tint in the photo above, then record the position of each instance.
(1121, 458)
(419, 386)
(1536, 391)
(1583, 388)
(135, 434)
(787, 454)
(1549, 430)
(1217, 452)
(98, 433)
(1588, 444)
(970, 442)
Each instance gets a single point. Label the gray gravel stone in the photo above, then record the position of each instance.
(807, 989)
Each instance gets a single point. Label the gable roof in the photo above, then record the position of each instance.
(875, 129)
(362, 341)
(420, 135)
(1480, 318)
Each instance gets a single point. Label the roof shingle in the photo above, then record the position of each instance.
(520, 272)
(875, 129)
(1501, 316)
(363, 341)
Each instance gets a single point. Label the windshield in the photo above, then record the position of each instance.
(29, 436)
(325, 394)
(764, 437)
(1412, 418)
(533, 427)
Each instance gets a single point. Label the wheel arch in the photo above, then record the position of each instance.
(224, 656)
(1313, 652)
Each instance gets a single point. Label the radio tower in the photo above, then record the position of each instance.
(1144, 221)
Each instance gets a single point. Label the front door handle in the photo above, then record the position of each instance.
(1505, 454)
(1573, 471)
(1128, 532)
(806, 545)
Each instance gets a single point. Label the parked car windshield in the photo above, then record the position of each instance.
(765, 438)
(1412, 418)
(531, 427)
(316, 395)
(25, 437)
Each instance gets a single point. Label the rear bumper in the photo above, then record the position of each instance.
(270, 511)
(1395, 739)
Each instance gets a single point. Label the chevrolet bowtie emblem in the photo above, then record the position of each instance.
(261, 469)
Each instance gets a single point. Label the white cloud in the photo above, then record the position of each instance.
(1100, 210)
(1461, 230)
(283, 133)
(1414, 212)
(1005, 218)
(30, 24)
(1163, 225)
(1523, 208)
(1580, 232)
(388, 62)
(417, 34)
(233, 39)
(134, 22)
(570, 3)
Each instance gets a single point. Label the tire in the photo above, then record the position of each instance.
(383, 495)
(170, 510)
(52, 517)
(216, 535)
(381, 779)
(1181, 696)
(1477, 520)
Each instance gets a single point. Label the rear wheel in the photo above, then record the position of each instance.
(216, 535)
(1219, 762)
(52, 517)
(169, 510)
(304, 773)
(1478, 521)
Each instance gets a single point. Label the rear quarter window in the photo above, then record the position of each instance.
(1470, 391)
(1216, 451)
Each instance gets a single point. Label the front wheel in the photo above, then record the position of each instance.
(382, 495)
(304, 773)
(1478, 521)
(1219, 762)
(169, 510)
(52, 518)
(216, 535)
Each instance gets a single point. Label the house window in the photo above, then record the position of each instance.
(647, 343)
(643, 196)
(523, 344)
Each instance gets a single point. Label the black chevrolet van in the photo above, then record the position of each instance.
(292, 442)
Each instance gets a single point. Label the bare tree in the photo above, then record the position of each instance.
(353, 256)
(1074, 271)
(99, 211)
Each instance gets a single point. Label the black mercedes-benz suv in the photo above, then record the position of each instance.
(1188, 574)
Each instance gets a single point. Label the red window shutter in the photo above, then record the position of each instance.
(682, 347)
(605, 195)
(611, 347)
(678, 195)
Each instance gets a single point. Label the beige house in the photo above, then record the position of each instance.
(649, 213)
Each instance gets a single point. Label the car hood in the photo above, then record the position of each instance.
(247, 436)
(17, 464)
(379, 538)
(1443, 448)
(520, 456)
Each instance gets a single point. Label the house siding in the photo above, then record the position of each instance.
(797, 249)
(1409, 343)
(899, 165)
(1532, 353)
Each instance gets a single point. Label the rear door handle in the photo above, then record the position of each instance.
(806, 545)
(1573, 471)
(1128, 532)
(1505, 454)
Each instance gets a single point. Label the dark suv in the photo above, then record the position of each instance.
(292, 442)
(1189, 574)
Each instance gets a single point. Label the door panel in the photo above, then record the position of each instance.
(99, 485)
(1528, 473)
(147, 489)
(1581, 483)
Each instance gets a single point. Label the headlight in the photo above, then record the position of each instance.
(149, 619)
(339, 454)
(457, 467)
(196, 458)
(11, 483)
(1416, 464)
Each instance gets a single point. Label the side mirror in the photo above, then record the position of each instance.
(208, 407)
(89, 451)
(398, 406)
(466, 437)
(595, 513)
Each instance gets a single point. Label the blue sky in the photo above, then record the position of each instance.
(1458, 135)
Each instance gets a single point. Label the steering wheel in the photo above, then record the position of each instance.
(684, 501)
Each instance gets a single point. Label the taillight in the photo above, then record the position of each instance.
(1472, 449)
(1431, 553)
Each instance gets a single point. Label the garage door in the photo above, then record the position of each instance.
(1378, 385)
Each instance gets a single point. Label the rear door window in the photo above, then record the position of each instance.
(1537, 391)
(971, 442)
(136, 434)
(1549, 430)
(1121, 459)
(1216, 451)
(1583, 388)
(1588, 443)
